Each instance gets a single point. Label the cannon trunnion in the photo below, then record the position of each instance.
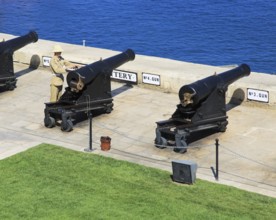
(89, 89)
(7, 48)
(201, 112)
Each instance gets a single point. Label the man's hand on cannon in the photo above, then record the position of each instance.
(73, 67)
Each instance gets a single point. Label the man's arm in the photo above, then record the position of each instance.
(57, 66)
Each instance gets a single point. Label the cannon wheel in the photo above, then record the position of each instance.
(160, 144)
(180, 150)
(10, 85)
(180, 142)
(49, 122)
(222, 129)
(222, 126)
(109, 108)
(67, 125)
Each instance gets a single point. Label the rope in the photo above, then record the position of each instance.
(247, 158)
(183, 147)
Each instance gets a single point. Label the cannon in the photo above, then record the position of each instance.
(88, 90)
(201, 112)
(7, 48)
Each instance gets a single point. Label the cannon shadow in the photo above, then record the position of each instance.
(236, 99)
(121, 89)
(23, 72)
(17, 75)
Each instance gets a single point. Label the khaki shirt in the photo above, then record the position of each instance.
(59, 65)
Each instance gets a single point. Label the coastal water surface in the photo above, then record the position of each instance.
(201, 31)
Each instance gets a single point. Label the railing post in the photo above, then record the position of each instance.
(90, 116)
(216, 172)
(217, 159)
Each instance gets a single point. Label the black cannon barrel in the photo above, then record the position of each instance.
(87, 73)
(12, 45)
(197, 91)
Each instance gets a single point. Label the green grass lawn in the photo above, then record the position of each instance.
(50, 182)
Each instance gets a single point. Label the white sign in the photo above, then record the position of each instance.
(258, 95)
(125, 76)
(46, 61)
(151, 79)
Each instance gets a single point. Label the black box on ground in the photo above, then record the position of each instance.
(184, 171)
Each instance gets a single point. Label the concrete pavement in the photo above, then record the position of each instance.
(247, 148)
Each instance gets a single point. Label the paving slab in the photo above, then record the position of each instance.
(247, 155)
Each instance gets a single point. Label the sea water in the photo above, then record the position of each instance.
(209, 32)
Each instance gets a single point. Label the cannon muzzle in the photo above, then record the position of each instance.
(194, 93)
(77, 79)
(14, 44)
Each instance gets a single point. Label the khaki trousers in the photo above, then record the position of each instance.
(55, 93)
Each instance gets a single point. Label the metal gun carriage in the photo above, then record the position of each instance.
(89, 89)
(7, 49)
(201, 112)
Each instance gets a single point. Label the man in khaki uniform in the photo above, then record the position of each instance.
(59, 67)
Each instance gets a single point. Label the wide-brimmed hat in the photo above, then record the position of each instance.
(57, 49)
